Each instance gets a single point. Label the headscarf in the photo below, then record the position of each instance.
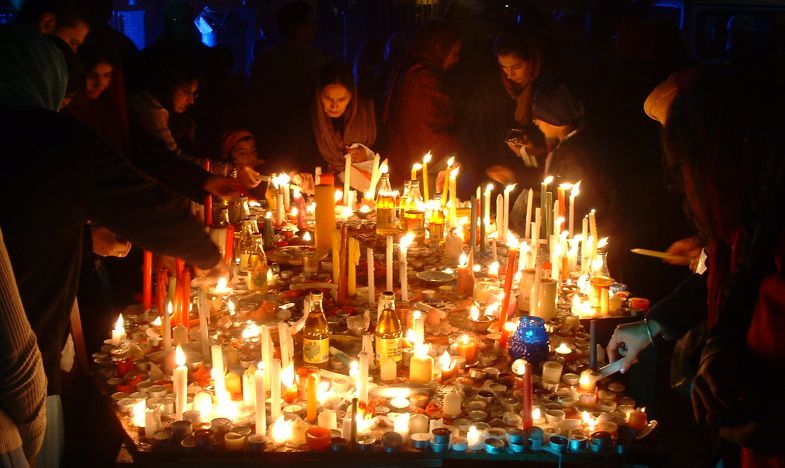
(359, 127)
(554, 104)
(33, 71)
(658, 103)
(231, 138)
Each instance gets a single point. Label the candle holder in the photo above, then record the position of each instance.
(481, 324)
(530, 341)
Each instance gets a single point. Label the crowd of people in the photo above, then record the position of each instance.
(105, 148)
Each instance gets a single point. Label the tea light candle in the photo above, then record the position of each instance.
(468, 349)
(118, 333)
(587, 381)
(447, 366)
(638, 419)
(563, 349)
(418, 424)
(551, 373)
(400, 404)
(474, 438)
(401, 426)
(234, 442)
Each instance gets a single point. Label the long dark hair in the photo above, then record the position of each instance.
(170, 64)
(337, 73)
(521, 42)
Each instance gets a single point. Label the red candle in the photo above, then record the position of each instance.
(464, 284)
(562, 199)
(318, 438)
(147, 280)
(528, 421)
(186, 298)
(512, 257)
(208, 202)
(638, 419)
(163, 282)
(229, 248)
(179, 265)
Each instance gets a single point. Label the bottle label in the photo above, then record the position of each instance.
(388, 348)
(385, 218)
(316, 351)
(257, 279)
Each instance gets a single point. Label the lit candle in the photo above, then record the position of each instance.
(638, 419)
(425, 189)
(336, 249)
(404, 274)
(493, 270)
(512, 257)
(310, 390)
(180, 383)
(468, 348)
(421, 365)
(587, 382)
(452, 404)
(499, 214)
(529, 214)
(371, 279)
(574, 192)
(374, 178)
(446, 186)
(486, 216)
(118, 333)
(453, 195)
(283, 343)
(275, 390)
(415, 168)
(522, 368)
(389, 263)
(465, 279)
(593, 224)
(447, 366)
(418, 326)
(362, 388)
(324, 213)
(401, 426)
(281, 431)
(543, 196)
(267, 355)
(216, 351)
(474, 438)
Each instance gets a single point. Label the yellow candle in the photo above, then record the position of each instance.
(446, 186)
(336, 238)
(425, 161)
(415, 168)
(325, 213)
(310, 390)
(354, 259)
(587, 381)
(453, 196)
(421, 365)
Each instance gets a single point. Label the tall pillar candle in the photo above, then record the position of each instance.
(425, 185)
(506, 211)
(404, 268)
(260, 400)
(267, 355)
(147, 280)
(529, 214)
(336, 255)
(389, 263)
(354, 258)
(275, 389)
(543, 191)
(343, 278)
(446, 184)
(362, 391)
(500, 217)
(473, 225)
(204, 311)
(167, 326)
(325, 212)
(180, 383)
(371, 278)
(548, 214)
(512, 257)
(217, 353)
(311, 398)
(347, 174)
(574, 192)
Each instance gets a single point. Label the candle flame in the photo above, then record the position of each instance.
(346, 212)
(231, 307)
(465, 337)
(602, 243)
(427, 158)
(536, 413)
(411, 336)
(576, 189)
(488, 188)
(294, 211)
(284, 179)
(221, 285)
(268, 215)
(450, 162)
(138, 413)
(119, 325)
(157, 321)
(548, 180)
(281, 430)
(511, 327)
(490, 311)
(446, 362)
(169, 309)
(179, 356)
(354, 369)
(476, 268)
(338, 195)
(406, 241)
(493, 269)
(518, 367)
(307, 237)
(287, 375)
(563, 348)
(454, 173)
(260, 366)
(474, 313)
(365, 209)
(416, 315)
(421, 349)
(416, 167)
(510, 188)
(463, 261)
(384, 168)
(250, 331)
(296, 192)
(565, 186)
(512, 240)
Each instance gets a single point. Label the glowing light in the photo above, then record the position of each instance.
(365, 209)
(411, 336)
(450, 161)
(422, 349)
(536, 414)
(512, 241)
(576, 189)
(231, 307)
(427, 158)
(287, 375)
(354, 369)
(406, 241)
(476, 268)
(602, 243)
(454, 173)
(384, 168)
(157, 321)
(138, 413)
(179, 356)
(493, 269)
(346, 212)
(509, 188)
(548, 180)
(490, 311)
(338, 195)
(281, 430)
(416, 167)
(307, 237)
(119, 325)
(446, 362)
(465, 338)
(221, 285)
(251, 331)
(563, 348)
(474, 313)
(463, 261)
(268, 215)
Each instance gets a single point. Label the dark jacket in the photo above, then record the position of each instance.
(57, 175)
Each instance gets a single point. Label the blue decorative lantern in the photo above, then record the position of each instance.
(530, 340)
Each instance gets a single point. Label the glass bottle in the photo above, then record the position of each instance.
(407, 187)
(316, 334)
(385, 208)
(388, 330)
(436, 221)
(414, 211)
(257, 265)
(246, 245)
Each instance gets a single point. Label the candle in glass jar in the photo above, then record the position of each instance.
(587, 381)
(468, 348)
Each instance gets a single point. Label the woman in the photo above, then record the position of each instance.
(340, 118)
(163, 131)
(103, 105)
(417, 112)
(726, 150)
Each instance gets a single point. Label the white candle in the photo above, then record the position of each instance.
(587, 381)
(474, 438)
(167, 329)
(452, 404)
(506, 217)
(576, 189)
(152, 417)
(499, 215)
(401, 426)
(389, 263)
(218, 371)
(327, 419)
(537, 224)
(180, 383)
(267, 356)
(365, 359)
(283, 342)
(180, 335)
(203, 331)
(529, 200)
(555, 219)
(403, 274)
(389, 370)
(275, 389)
(418, 325)
(261, 396)
(249, 388)
(371, 279)
(346, 179)
(486, 210)
(118, 333)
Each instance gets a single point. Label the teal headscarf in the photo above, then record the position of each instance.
(33, 72)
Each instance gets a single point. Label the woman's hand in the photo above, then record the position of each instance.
(305, 181)
(248, 178)
(358, 153)
(687, 249)
(106, 244)
(501, 174)
(220, 186)
(629, 340)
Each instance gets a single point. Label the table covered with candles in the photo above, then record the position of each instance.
(387, 325)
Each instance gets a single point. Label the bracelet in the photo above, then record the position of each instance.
(648, 331)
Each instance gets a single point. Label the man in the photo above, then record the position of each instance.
(60, 174)
(61, 18)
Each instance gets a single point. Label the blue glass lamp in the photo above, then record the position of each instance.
(530, 340)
